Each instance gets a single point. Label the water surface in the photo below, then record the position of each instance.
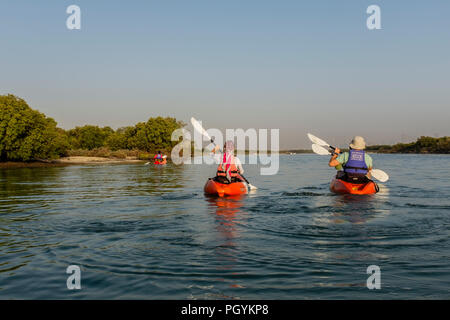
(146, 232)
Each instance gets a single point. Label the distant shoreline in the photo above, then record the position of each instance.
(367, 150)
(66, 161)
(76, 160)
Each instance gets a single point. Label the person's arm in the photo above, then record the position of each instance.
(369, 164)
(333, 162)
(216, 148)
(239, 165)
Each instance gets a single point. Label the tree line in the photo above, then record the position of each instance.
(422, 145)
(27, 134)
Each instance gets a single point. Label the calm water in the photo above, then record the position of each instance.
(141, 232)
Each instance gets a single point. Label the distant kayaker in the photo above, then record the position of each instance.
(356, 163)
(230, 167)
(158, 158)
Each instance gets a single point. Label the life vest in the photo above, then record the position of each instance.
(356, 163)
(222, 168)
(158, 159)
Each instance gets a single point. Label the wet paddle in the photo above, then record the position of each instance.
(197, 126)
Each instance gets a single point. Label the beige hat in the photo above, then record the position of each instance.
(358, 143)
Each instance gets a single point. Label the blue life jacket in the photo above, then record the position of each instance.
(356, 163)
(158, 156)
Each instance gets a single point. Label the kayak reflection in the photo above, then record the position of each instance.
(358, 209)
(228, 217)
(228, 213)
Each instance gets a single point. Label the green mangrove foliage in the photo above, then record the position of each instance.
(422, 145)
(154, 134)
(88, 137)
(26, 134)
(147, 136)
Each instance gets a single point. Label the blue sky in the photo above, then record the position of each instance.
(300, 66)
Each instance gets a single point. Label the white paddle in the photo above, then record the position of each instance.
(318, 141)
(379, 175)
(197, 126)
(320, 150)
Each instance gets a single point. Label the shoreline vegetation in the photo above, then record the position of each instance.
(423, 145)
(28, 138)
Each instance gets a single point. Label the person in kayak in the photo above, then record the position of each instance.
(354, 166)
(230, 167)
(158, 158)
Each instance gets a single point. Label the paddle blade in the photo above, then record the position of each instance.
(318, 141)
(320, 150)
(197, 126)
(379, 175)
(252, 187)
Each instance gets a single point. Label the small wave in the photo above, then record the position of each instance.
(300, 194)
(179, 197)
(312, 188)
(427, 206)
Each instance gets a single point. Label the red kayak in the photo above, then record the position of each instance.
(341, 186)
(161, 162)
(225, 189)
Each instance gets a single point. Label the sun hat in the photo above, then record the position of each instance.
(358, 143)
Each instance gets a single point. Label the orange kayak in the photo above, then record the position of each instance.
(225, 189)
(340, 186)
(161, 162)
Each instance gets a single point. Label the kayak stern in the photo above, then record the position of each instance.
(343, 187)
(225, 189)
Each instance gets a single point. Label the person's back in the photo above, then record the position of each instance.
(158, 155)
(230, 167)
(355, 163)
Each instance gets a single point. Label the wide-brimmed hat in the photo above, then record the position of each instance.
(358, 143)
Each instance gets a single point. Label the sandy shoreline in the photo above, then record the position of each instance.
(88, 160)
(68, 161)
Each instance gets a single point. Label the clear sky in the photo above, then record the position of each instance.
(300, 66)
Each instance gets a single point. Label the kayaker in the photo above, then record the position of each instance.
(158, 157)
(356, 163)
(230, 167)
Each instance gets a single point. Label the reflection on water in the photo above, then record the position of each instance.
(357, 209)
(161, 179)
(229, 217)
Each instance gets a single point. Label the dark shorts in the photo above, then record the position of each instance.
(352, 178)
(223, 179)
